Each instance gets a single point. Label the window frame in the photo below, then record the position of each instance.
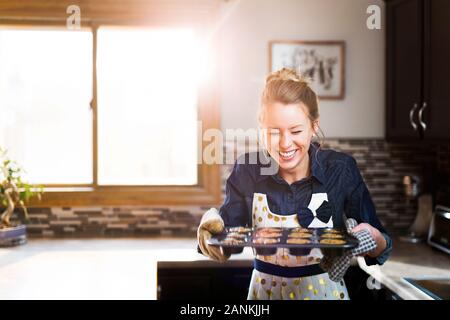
(207, 191)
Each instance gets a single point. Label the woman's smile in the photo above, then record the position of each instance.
(287, 155)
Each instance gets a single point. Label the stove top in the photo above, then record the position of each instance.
(437, 288)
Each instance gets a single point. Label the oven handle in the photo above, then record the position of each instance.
(443, 211)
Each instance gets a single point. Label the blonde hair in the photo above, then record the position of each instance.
(289, 87)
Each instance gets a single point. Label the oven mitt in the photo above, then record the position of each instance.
(336, 266)
(211, 223)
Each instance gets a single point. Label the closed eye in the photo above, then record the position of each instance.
(297, 132)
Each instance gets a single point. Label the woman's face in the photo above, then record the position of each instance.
(288, 133)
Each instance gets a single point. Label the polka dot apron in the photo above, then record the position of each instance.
(267, 286)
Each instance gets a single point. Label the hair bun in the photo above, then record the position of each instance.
(286, 74)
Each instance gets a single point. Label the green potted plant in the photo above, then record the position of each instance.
(13, 191)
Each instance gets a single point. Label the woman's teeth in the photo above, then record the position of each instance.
(287, 155)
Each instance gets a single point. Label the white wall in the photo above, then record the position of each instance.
(248, 26)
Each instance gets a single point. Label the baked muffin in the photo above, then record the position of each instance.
(300, 229)
(331, 231)
(300, 235)
(232, 241)
(298, 241)
(332, 241)
(332, 236)
(236, 235)
(268, 234)
(269, 229)
(240, 229)
(266, 240)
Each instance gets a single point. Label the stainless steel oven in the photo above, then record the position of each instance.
(439, 232)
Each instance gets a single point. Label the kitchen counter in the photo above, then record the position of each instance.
(126, 268)
(409, 260)
(91, 268)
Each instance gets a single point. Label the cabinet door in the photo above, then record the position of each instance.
(436, 114)
(404, 67)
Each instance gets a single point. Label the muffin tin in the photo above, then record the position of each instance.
(299, 241)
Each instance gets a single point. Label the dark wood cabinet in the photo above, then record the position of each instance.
(437, 69)
(404, 69)
(418, 70)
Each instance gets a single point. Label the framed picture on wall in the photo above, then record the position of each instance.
(321, 61)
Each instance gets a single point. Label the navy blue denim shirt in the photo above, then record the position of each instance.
(332, 172)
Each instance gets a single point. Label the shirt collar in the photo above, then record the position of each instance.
(317, 169)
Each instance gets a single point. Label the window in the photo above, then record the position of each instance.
(107, 115)
(147, 107)
(45, 91)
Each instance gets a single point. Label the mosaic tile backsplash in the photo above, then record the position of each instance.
(382, 165)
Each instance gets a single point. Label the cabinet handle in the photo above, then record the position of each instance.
(411, 115)
(423, 124)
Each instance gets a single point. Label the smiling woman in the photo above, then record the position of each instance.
(311, 188)
(293, 122)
